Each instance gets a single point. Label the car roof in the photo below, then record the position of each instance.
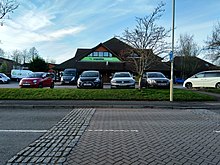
(91, 71)
(122, 72)
(40, 72)
(210, 71)
(152, 72)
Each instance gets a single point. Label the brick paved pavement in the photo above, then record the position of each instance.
(56, 144)
(149, 136)
(128, 136)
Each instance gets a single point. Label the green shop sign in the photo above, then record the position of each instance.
(100, 59)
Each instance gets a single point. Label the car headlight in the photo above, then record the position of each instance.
(35, 81)
(97, 80)
(151, 81)
(113, 81)
(73, 79)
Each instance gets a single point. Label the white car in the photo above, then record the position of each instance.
(205, 79)
(122, 80)
(4, 79)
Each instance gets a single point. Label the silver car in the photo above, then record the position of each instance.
(155, 80)
(122, 80)
(4, 79)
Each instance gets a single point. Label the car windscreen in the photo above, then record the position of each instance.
(35, 75)
(3, 75)
(155, 75)
(122, 75)
(69, 73)
(90, 74)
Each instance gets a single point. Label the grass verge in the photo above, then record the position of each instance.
(212, 90)
(101, 94)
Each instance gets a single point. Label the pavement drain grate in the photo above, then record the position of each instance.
(54, 146)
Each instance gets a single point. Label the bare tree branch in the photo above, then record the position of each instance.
(213, 44)
(147, 40)
(7, 6)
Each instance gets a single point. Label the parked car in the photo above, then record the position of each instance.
(37, 80)
(18, 74)
(154, 79)
(90, 79)
(52, 75)
(69, 76)
(122, 80)
(4, 79)
(204, 79)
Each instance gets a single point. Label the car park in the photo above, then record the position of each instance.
(205, 79)
(122, 80)
(37, 80)
(4, 79)
(155, 80)
(90, 79)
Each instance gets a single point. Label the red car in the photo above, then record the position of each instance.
(37, 80)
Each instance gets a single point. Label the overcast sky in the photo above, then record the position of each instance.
(58, 27)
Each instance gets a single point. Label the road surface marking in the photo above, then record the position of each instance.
(217, 131)
(25, 131)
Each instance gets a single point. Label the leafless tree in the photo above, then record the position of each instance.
(147, 40)
(26, 56)
(213, 44)
(7, 6)
(2, 53)
(17, 56)
(187, 50)
(33, 53)
(187, 46)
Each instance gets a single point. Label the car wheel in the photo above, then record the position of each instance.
(217, 85)
(189, 85)
(52, 86)
(1, 82)
(40, 85)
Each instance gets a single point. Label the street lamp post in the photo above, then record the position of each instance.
(172, 53)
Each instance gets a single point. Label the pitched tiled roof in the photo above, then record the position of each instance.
(113, 45)
(202, 64)
(159, 66)
(116, 45)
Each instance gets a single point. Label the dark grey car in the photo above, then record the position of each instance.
(90, 79)
(154, 79)
(69, 76)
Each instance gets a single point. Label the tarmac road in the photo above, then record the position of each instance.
(20, 127)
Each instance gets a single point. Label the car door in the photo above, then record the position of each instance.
(46, 80)
(210, 79)
(198, 79)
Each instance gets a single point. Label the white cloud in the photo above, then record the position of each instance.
(33, 21)
(65, 32)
